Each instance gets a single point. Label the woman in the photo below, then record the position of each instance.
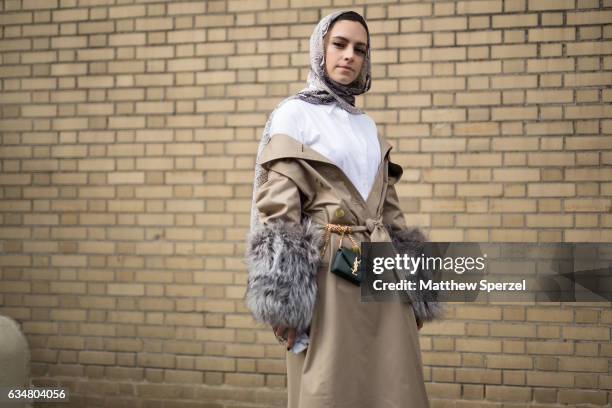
(321, 167)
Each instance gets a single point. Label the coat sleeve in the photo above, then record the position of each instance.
(409, 240)
(283, 252)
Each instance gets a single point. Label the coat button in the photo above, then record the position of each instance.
(339, 213)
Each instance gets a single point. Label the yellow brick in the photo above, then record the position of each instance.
(513, 235)
(67, 287)
(126, 178)
(583, 364)
(41, 219)
(550, 65)
(586, 333)
(514, 81)
(479, 190)
(478, 98)
(126, 11)
(124, 289)
(245, 380)
(552, 34)
(186, 64)
(586, 205)
(410, 10)
(477, 220)
(479, 7)
(515, 20)
(68, 315)
(443, 390)
(69, 15)
(551, 4)
(588, 143)
(40, 327)
(511, 362)
(589, 17)
(584, 112)
(39, 4)
(183, 7)
(549, 96)
(443, 54)
(575, 397)
(409, 70)
(442, 359)
(589, 48)
(478, 376)
(478, 345)
(514, 113)
(514, 51)
(38, 57)
(96, 27)
(277, 17)
(550, 379)
(39, 110)
(504, 393)
(215, 363)
(442, 145)
(154, 107)
(154, 24)
(222, 48)
(516, 174)
(184, 319)
(409, 40)
(551, 190)
(587, 79)
(442, 83)
(127, 39)
(480, 67)
(589, 174)
(444, 175)
(443, 115)
(183, 376)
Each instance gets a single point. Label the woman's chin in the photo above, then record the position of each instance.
(343, 80)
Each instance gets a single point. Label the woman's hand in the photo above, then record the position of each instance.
(289, 341)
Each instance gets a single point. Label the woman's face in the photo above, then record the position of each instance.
(345, 51)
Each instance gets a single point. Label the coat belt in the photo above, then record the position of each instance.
(375, 227)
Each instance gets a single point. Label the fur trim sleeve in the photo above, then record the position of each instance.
(410, 241)
(282, 260)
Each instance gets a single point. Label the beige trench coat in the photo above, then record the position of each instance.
(361, 355)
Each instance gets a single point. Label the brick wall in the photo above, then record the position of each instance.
(129, 130)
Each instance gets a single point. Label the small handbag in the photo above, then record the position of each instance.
(346, 263)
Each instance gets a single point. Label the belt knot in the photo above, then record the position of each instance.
(374, 223)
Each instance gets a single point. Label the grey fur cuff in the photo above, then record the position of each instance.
(410, 241)
(282, 260)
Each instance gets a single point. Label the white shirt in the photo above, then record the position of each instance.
(349, 141)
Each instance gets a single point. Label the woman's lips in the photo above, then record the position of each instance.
(346, 68)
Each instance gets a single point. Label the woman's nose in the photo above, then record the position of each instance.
(349, 53)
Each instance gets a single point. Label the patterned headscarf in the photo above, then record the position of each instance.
(321, 90)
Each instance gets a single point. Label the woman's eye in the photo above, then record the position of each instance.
(342, 45)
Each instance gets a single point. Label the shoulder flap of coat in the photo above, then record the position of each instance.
(282, 146)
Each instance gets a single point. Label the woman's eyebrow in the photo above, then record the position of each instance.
(345, 39)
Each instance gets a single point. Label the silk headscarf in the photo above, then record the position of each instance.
(321, 90)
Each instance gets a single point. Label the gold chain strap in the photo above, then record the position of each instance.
(341, 229)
